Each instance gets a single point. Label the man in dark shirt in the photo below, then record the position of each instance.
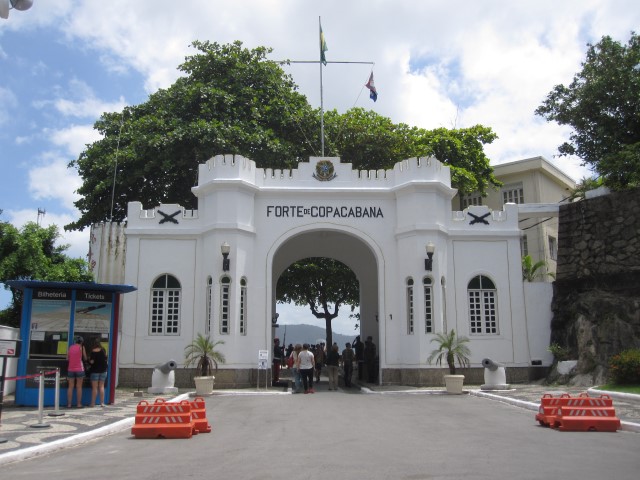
(370, 360)
(358, 346)
(278, 353)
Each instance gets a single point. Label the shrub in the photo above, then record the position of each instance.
(559, 353)
(624, 368)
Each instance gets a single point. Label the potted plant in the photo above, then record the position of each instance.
(453, 349)
(202, 354)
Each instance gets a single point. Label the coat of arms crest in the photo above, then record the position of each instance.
(324, 171)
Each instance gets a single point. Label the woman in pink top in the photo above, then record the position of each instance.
(75, 371)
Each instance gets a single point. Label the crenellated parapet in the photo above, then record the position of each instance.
(166, 214)
(481, 219)
(318, 173)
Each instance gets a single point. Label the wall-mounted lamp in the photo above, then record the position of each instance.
(274, 319)
(428, 262)
(225, 248)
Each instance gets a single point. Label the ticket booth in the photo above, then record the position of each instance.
(53, 314)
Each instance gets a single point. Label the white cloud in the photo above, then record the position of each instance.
(53, 180)
(74, 138)
(88, 104)
(8, 101)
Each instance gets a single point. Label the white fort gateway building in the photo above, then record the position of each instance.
(381, 224)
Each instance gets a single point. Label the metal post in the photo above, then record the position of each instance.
(4, 364)
(56, 412)
(40, 423)
(321, 97)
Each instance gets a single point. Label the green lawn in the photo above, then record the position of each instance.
(620, 388)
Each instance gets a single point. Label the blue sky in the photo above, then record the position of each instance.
(437, 64)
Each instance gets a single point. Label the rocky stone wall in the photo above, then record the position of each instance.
(596, 304)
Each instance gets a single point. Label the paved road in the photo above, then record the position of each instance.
(337, 435)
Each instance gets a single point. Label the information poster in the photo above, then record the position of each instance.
(93, 318)
(50, 321)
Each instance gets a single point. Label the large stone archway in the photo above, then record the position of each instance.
(346, 245)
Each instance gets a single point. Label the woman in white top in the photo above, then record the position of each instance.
(306, 364)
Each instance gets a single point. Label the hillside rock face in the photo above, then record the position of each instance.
(596, 302)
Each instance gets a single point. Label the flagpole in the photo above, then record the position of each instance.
(321, 61)
(321, 92)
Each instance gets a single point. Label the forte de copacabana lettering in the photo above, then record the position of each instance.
(323, 211)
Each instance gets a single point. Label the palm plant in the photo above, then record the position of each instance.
(452, 348)
(202, 354)
(531, 270)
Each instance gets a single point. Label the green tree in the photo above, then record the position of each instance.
(583, 186)
(202, 354)
(452, 348)
(532, 270)
(231, 100)
(370, 142)
(602, 105)
(319, 283)
(31, 253)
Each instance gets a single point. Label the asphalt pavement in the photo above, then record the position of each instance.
(365, 424)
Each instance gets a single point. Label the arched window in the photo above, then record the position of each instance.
(483, 315)
(209, 300)
(225, 305)
(243, 306)
(165, 306)
(427, 284)
(410, 306)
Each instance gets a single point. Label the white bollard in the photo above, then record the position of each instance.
(56, 410)
(40, 423)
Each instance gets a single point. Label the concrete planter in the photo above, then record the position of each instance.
(204, 385)
(453, 383)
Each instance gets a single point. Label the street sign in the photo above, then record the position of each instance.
(9, 348)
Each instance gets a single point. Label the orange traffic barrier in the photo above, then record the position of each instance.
(199, 415)
(549, 406)
(163, 420)
(591, 419)
(581, 413)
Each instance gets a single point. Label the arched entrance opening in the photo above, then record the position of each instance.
(349, 247)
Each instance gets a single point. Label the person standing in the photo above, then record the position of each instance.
(370, 359)
(333, 362)
(278, 353)
(306, 363)
(320, 356)
(347, 364)
(297, 377)
(358, 346)
(76, 355)
(98, 375)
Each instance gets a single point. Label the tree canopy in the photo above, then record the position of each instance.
(602, 105)
(322, 284)
(232, 100)
(30, 253)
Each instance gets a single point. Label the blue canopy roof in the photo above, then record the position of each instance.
(103, 287)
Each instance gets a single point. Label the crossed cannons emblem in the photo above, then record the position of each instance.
(168, 218)
(477, 219)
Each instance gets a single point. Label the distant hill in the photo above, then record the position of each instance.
(310, 334)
